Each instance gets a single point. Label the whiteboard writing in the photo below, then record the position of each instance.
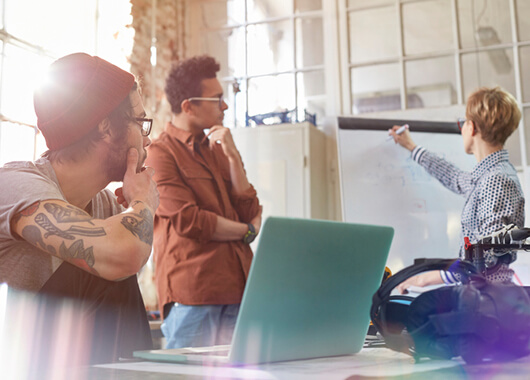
(382, 185)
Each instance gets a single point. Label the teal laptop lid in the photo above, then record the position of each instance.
(308, 293)
(309, 290)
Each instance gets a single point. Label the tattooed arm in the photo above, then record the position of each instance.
(113, 248)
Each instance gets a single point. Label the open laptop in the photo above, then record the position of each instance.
(308, 294)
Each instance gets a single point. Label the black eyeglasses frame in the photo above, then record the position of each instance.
(145, 124)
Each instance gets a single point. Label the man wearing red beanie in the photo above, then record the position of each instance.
(208, 214)
(62, 234)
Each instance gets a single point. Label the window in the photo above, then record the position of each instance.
(271, 51)
(58, 27)
(406, 54)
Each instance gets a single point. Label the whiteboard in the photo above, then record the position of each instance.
(382, 185)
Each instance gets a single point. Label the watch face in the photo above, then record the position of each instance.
(250, 235)
(250, 238)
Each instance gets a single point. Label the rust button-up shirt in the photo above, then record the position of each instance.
(194, 185)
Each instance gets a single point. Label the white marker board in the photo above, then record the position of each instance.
(382, 185)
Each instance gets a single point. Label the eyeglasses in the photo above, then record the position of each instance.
(219, 99)
(461, 123)
(145, 124)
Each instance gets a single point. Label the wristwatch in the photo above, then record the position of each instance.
(250, 235)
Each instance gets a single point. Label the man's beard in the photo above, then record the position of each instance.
(116, 162)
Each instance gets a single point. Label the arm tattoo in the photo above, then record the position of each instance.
(33, 236)
(76, 254)
(141, 228)
(67, 214)
(43, 221)
(30, 210)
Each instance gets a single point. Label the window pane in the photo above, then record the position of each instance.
(307, 5)
(373, 34)
(513, 145)
(270, 47)
(311, 83)
(237, 108)
(23, 70)
(311, 94)
(427, 26)
(524, 56)
(62, 26)
(432, 80)
(368, 3)
(16, 142)
(376, 88)
(264, 9)
(271, 94)
(526, 112)
(488, 68)
(222, 12)
(115, 38)
(484, 23)
(523, 15)
(309, 42)
(227, 46)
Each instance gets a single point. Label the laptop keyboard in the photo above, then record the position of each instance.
(210, 353)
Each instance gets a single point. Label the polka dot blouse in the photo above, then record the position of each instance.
(493, 194)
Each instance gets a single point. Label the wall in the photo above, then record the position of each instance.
(159, 32)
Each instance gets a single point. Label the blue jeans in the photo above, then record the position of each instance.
(199, 326)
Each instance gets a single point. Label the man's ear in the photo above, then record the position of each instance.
(185, 106)
(104, 128)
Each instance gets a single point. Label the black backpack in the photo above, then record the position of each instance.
(477, 320)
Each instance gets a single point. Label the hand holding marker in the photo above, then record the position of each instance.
(399, 131)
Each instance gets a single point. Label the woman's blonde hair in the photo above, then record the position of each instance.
(494, 112)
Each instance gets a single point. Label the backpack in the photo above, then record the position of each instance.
(478, 321)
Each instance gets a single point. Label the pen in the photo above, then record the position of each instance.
(399, 131)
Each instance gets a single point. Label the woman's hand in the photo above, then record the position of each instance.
(403, 138)
(423, 279)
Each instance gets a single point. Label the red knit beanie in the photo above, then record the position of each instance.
(79, 93)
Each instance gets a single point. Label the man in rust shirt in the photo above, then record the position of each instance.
(208, 213)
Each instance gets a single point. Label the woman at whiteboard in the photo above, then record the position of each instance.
(494, 197)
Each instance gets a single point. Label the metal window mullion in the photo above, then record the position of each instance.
(458, 61)
(3, 14)
(2, 60)
(96, 29)
(518, 89)
(401, 46)
(245, 77)
(515, 48)
(295, 56)
(344, 60)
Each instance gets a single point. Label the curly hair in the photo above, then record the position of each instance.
(185, 77)
(495, 113)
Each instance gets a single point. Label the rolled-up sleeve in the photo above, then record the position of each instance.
(246, 204)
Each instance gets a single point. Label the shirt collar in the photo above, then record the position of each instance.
(184, 136)
(489, 162)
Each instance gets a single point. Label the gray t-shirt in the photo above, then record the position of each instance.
(23, 266)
